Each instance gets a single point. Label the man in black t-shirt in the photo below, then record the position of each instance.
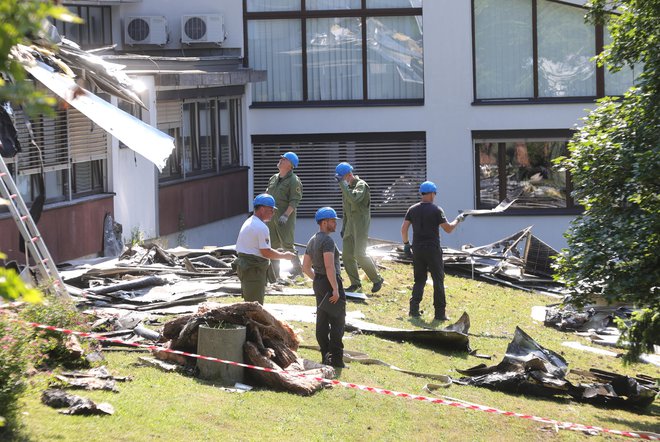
(321, 264)
(426, 218)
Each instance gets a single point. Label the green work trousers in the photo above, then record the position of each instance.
(252, 271)
(354, 252)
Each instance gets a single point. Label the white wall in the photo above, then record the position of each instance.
(448, 117)
(219, 233)
(134, 180)
(231, 10)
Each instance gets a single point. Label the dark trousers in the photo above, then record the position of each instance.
(428, 260)
(329, 329)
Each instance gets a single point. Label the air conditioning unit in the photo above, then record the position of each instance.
(202, 28)
(146, 30)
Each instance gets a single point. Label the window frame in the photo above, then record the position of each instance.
(83, 32)
(178, 171)
(501, 137)
(536, 99)
(303, 14)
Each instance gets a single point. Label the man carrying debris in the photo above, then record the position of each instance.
(425, 218)
(254, 250)
(286, 188)
(356, 198)
(321, 264)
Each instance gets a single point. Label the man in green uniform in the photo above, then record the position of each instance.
(356, 199)
(286, 188)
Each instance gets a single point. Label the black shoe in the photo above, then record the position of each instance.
(441, 318)
(353, 288)
(337, 361)
(415, 314)
(377, 286)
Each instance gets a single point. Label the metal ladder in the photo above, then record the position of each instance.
(50, 277)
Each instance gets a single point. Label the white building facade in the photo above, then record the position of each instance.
(478, 96)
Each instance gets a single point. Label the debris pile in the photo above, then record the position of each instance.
(520, 261)
(269, 343)
(528, 368)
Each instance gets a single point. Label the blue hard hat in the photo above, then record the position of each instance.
(292, 157)
(325, 213)
(264, 200)
(428, 187)
(342, 169)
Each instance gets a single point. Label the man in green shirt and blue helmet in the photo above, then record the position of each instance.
(286, 188)
(356, 198)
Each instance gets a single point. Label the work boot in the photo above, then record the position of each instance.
(440, 315)
(354, 288)
(337, 361)
(414, 311)
(377, 285)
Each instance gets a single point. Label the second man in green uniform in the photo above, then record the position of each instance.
(286, 188)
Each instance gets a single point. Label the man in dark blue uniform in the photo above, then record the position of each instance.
(426, 218)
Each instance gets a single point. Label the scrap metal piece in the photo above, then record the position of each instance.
(453, 337)
(77, 404)
(532, 369)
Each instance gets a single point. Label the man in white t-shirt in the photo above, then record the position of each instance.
(254, 250)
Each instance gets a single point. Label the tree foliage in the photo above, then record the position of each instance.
(614, 245)
(20, 22)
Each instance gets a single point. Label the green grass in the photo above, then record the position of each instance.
(162, 406)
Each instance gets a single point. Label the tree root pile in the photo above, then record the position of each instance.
(269, 343)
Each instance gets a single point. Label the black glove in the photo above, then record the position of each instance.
(407, 249)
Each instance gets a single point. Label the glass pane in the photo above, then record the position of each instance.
(206, 143)
(617, 83)
(489, 182)
(566, 45)
(273, 5)
(187, 137)
(334, 59)
(275, 46)
(531, 173)
(395, 57)
(95, 26)
(332, 4)
(503, 48)
(394, 4)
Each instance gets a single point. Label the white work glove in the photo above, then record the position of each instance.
(338, 178)
(283, 219)
(460, 218)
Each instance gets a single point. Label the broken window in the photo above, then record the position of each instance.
(337, 50)
(519, 164)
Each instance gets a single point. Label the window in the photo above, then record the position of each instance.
(336, 51)
(392, 163)
(538, 50)
(207, 136)
(71, 150)
(520, 164)
(96, 30)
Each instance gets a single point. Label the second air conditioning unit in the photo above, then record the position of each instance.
(146, 30)
(202, 28)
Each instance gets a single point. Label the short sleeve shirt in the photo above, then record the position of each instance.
(319, 244)
(253, 236)
(425, 219)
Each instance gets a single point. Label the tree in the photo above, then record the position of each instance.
(20, 23)
(614, 245)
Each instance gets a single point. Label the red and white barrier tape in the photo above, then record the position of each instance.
(377, 390)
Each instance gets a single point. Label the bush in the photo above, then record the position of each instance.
(18, 352)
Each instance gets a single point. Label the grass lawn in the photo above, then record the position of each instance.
(165, 406)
